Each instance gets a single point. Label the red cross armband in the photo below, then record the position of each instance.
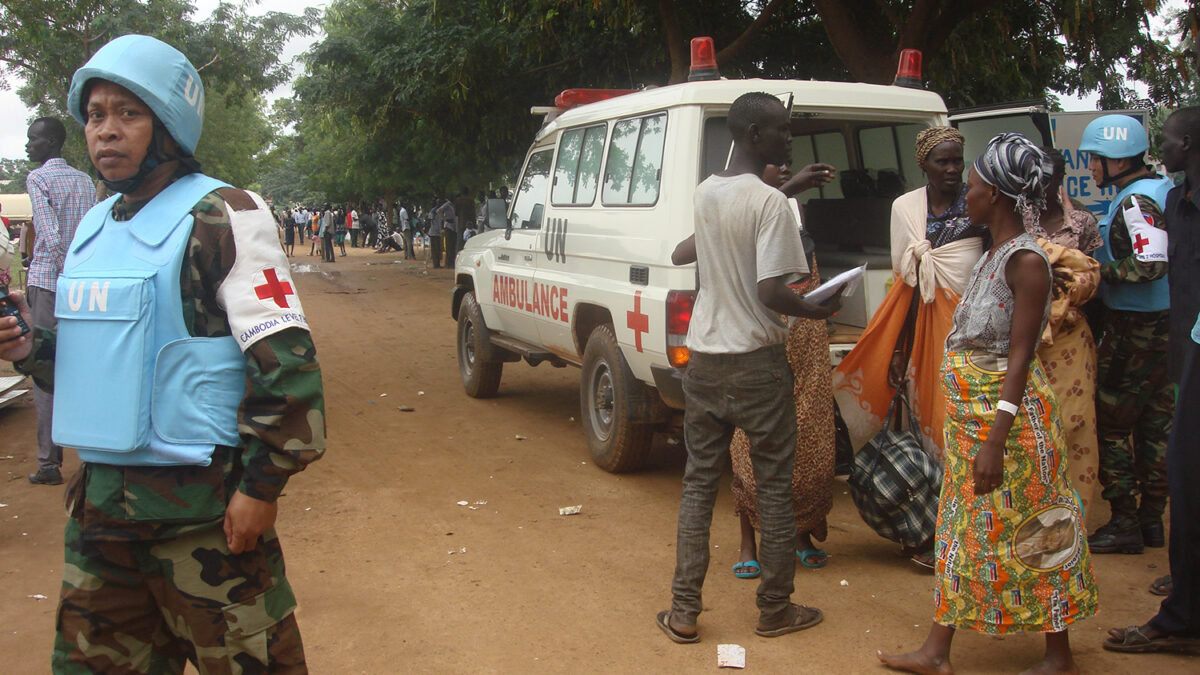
(1149, 242)
(258, 294)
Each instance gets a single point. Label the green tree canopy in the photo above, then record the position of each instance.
(43, 42)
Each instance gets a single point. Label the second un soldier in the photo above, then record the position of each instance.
(1134, 400)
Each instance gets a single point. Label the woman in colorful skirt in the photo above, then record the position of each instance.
(816, 439)
(1011, 551)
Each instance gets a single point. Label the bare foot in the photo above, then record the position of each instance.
(1049, 666)
(917, 662)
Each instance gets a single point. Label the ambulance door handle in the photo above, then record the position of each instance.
(528, 257)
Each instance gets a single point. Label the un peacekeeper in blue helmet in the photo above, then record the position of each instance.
(1135, 400)
(192, 389)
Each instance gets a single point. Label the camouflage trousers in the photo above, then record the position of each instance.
(1135, 402)
(151, 606)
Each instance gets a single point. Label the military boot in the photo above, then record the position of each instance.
(1150, 521)
(1122, 534)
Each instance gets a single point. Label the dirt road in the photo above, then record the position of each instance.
(394, 575)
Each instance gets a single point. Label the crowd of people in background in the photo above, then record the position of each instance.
(439, 229)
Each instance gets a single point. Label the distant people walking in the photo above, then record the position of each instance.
(436, 229)
(60, 196)
(289, 232)
(406, 231)
(450, 231)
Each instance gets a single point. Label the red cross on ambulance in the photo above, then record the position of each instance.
(637, 321)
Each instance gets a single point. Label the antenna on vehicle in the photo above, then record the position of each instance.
(908, 71)
(704, 60)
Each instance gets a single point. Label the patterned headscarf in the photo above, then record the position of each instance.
(1019, 169)
(930, 138)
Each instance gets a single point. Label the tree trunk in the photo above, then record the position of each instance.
(867, 36)
(677, 45)
(673, 34)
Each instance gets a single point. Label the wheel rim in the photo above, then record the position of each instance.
(600, 401)
(467, 348)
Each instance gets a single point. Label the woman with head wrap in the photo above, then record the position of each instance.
(1011, 551)
(934, 245)
(1068, 351)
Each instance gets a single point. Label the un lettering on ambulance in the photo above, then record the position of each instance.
(545, 300)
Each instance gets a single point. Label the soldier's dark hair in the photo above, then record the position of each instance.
(750, 108)
(1188, 120)
(54, 128)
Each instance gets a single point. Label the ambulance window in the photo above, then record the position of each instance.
(578, 168)
(717, 141)
(532, 191)
(888, 158)
(830, 148)
(634, 168)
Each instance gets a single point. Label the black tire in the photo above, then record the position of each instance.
(477, 361)
(614, 406)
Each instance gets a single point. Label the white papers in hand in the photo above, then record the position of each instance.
(851, 279)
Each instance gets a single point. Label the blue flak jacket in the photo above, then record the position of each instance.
(1152, 296)
(131, 386)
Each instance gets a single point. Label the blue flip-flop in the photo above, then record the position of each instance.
(752, 574)
(809, 553)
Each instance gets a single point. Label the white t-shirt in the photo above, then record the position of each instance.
(745, 233)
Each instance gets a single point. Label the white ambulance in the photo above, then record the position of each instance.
(580, 271)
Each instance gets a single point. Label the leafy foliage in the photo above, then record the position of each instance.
(43, 42)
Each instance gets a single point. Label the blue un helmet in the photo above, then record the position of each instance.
(1115, 137)
(163, 78)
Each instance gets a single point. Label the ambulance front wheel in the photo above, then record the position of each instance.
(614, 406)
(477, 363)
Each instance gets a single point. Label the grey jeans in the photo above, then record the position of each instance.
(752, 391)
(41, 303)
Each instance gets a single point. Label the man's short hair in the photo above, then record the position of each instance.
(54, 129)
(750, 108)
(1188, 120)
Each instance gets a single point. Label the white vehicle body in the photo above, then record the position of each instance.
(604, 196)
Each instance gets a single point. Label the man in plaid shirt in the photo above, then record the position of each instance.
(60, 195)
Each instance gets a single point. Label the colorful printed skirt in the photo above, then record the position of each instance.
(1015, 559)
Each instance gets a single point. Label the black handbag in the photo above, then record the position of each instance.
(894, 483)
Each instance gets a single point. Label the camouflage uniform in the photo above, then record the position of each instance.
(149, 581)
(1134, 398)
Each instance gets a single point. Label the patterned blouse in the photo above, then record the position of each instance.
(953, 224)
(1078, 231)
(983, 319)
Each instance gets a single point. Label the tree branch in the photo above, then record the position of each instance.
(730, 50)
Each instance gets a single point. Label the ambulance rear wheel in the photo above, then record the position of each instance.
(613, 406)
(477, 362)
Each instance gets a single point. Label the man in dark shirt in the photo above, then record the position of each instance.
(1176, 627)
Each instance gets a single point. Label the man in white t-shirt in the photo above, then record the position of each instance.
(748, 249)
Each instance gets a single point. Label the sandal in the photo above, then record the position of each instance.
(747, 570)
(1133, 640)
(1162, 585)
(664, 622)
(805, 617)
(812, 553)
